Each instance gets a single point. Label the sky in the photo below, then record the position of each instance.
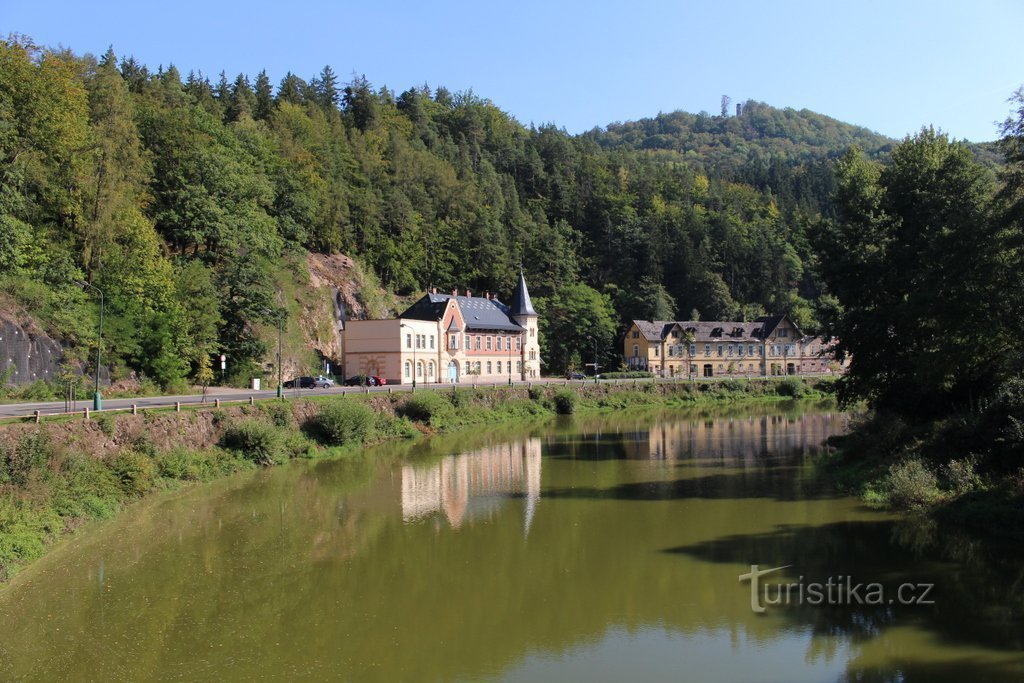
(891, 66)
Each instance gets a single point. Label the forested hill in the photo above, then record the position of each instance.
(193, 204)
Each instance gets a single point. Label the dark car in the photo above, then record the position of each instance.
(300, 382)
(575, 375)
(360, 381)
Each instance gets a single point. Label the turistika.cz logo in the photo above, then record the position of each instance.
(836, 590)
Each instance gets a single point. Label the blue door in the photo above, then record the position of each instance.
(453, 372)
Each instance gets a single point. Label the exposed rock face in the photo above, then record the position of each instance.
(26, 353)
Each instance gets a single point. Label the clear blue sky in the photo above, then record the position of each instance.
(891, 66)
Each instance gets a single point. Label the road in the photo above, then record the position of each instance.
(225, 395)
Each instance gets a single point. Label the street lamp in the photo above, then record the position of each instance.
(97, 399)
(413, 354)
(280, 315)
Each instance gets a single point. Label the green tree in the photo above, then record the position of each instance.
(576, 320)
(915, 263)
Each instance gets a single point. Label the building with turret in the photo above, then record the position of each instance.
(453, 338)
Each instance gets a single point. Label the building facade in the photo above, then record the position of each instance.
(448, 338)
(769, 346)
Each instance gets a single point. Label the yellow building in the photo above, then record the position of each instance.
(450, 338)
(771, 345)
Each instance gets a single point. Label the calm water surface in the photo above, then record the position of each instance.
(590, 550)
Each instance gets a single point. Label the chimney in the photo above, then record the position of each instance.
(469, 293)
(739, 108)
(487, 294)
(433, 290)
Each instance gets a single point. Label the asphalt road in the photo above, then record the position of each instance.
(59, 407)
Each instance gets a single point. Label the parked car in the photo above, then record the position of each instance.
(575, 375)
(378, 381)
(299, 382)
(360, 381)
(322, 382)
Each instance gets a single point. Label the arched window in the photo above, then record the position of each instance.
(430, 369)
(636, 350)
(478, 367)
(419, 368)
(408, 369)
(488, 362)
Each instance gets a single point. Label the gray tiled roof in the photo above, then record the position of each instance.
(705, 331)
(521, 304)
(478, 312)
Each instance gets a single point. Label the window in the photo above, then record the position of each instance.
(671, 351)
(657, 351)
(499, 345)
(732, 349)
(636, 335)
(519, 343)
(693, 349)
(418, 343)
(469, 341)
(720, 349)
(408, 369)
(750, 350)
(430, 369)
(419, 369)
(508, 343)
(488, 342)
(533, 355)
(431, 341)
(477, 344)
(488, 365)
(533, 332)
(408, 341)
(784, 332)
(509, 363)
(675, 334)
(468, 369)
(707, 349)
(739, 350)
(477, 367)
(519, 366)
(636, 350)
(454, 344)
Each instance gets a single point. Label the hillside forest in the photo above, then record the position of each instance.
(193, 203)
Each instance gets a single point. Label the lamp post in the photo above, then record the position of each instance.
(409, 327)
(280, 315)
(97, 399)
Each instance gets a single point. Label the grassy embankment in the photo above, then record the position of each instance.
(59, 474)
(958, 471)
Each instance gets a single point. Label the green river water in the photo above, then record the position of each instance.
(587, 549)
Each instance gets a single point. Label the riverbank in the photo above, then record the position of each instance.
(934, 471)
(56, 475)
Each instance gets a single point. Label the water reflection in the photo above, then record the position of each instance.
(414, 563)
(473, 485)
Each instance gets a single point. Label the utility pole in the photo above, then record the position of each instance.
(97, 399)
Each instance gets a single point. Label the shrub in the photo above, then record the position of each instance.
(186, 465)
(388, 426)
(135, 472)
(792, 387)
(255, 441)
(565, 401)
(280, 413)
(427, 407)
(535, 393)
(961, 475)
(910, 484)
(343, 422)
(106, 423)
(30, 453)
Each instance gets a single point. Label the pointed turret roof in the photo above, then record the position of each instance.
(521, 304)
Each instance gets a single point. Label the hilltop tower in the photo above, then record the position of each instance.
(521, 310)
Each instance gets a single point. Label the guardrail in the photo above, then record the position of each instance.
(134, 409)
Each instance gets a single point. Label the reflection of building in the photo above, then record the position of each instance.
(474, 484)
(742, 439)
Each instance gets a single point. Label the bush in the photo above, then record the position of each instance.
(427, 407)
(910, 484)
(961, 475)
(185, 465)
(535, 393)
(31, 453)
(280, 413)
(135, 472)
(255, 441)
(792, 387)
(565, 401)
(387, 426)
(343, 422)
